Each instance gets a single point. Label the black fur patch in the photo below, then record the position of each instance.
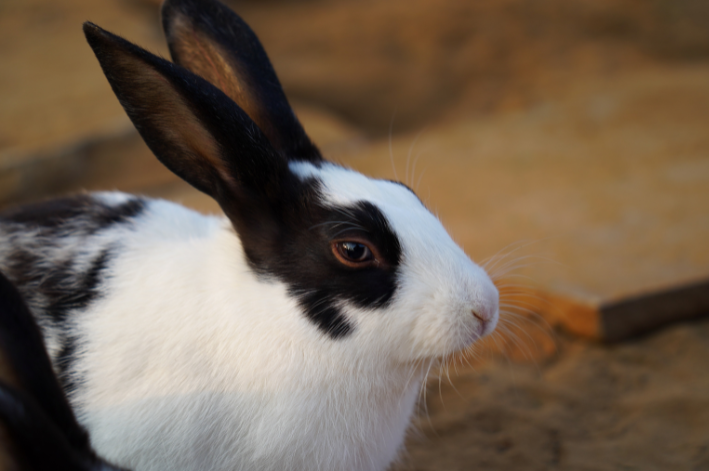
(52, 283)
(73, 212)
(67, 290)
(45, 256)
(85, 291)
(56, 293)
(64, 362)
(294, 246)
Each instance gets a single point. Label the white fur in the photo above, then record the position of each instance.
(192, 362)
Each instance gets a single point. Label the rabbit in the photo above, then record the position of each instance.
(291, 333)
(38, 430)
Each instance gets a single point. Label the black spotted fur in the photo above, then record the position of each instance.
(49, 251)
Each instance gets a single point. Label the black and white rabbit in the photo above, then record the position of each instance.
(38, 431)
(291, 334)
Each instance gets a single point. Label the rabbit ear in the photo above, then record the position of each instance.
(212, 41)
(25, 365)
(190, 125)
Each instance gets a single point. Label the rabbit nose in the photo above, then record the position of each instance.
(485, 318)
(487, 315)
(481, 317)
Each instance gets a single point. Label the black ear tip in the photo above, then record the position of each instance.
(169, 6)
(166, 6)
(105, 43)
(90, 29)
(192, 9)
(167, 12)
(95, 35)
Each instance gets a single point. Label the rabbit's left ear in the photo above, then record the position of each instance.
(212, 41)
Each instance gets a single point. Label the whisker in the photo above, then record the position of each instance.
(522, 243)
(408, 158)
(418, 182)
(509, 264)
(535, 320)
(526, 334)
(391, 151)
(517, 341)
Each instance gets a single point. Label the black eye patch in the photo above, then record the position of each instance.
(302, 257)
(325, 282)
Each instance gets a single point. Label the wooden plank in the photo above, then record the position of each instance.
(640, 314)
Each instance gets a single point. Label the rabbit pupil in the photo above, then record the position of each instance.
(355, 252)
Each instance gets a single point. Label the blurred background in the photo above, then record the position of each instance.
(565, 143)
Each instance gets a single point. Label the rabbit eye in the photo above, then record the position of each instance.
(351, 253)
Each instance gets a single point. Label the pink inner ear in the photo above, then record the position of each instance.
(222, 84)
(202, 56)
(197, 52)
(208, 60)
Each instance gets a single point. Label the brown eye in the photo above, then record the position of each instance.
(353, 253)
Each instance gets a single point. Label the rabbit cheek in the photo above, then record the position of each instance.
(437, 327)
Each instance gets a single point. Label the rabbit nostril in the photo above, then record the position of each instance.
(479, 317)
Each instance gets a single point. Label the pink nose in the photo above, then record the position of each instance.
(484, 315)
(481, 317)
(485, 307)
(486, 318)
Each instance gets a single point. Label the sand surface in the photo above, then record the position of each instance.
(642, 405)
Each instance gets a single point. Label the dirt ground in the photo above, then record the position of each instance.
(641, 405)
(584, 117)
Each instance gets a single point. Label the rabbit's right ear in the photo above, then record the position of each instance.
(191, 126)
(209, 39)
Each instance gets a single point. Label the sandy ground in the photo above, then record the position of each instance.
(642, 405)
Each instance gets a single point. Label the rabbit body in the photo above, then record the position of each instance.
(292, 333)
